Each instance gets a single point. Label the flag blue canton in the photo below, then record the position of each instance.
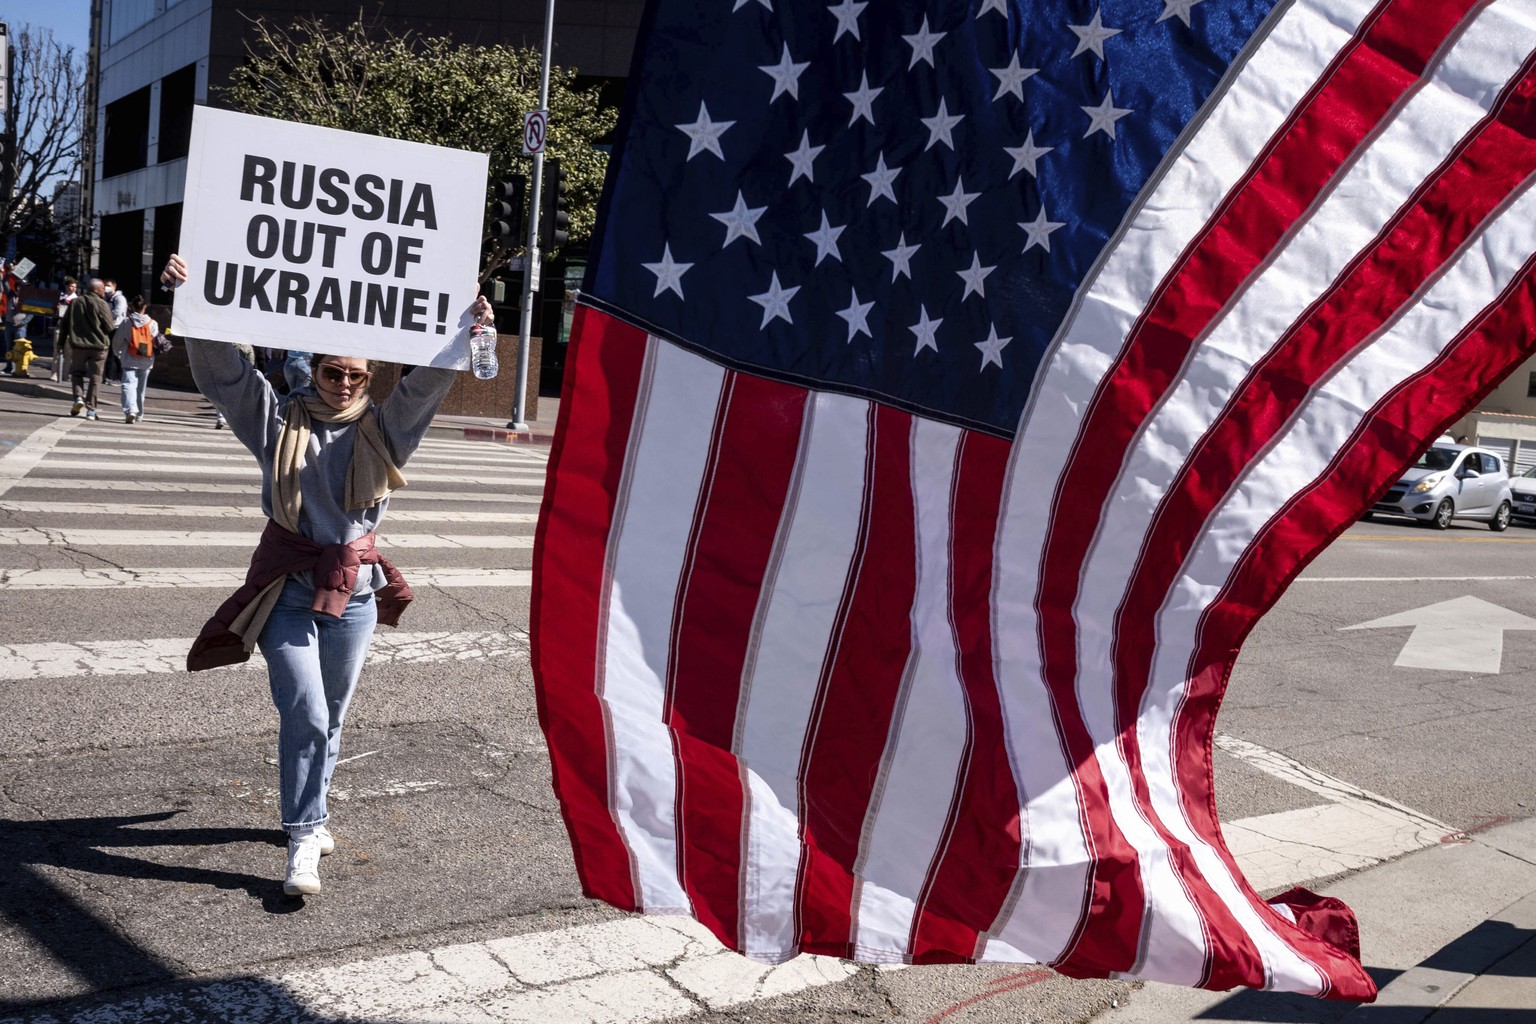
(896, 201)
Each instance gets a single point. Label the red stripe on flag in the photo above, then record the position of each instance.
(1360, 87)
(602, 381)
(1435, 222)
(851, 721)
(974, 870)
(746, 483)
(1469, 368)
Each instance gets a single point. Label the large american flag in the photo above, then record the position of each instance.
(955, 384)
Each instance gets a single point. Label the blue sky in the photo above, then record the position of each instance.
(69, 19)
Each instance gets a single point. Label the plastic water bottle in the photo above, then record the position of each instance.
(482, 350)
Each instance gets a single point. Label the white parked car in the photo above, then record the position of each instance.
(1523, 489)
(1448, 482)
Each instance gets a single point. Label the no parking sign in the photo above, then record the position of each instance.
(534, 126)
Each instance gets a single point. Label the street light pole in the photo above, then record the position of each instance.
(532, 272)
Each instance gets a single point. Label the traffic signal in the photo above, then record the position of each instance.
(554, 213)
(507, 209)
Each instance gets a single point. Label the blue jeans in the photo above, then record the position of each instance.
(313, 662)
(135, 380)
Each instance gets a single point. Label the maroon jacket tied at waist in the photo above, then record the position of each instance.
(280, 552)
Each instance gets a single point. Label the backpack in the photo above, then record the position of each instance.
(141, 343)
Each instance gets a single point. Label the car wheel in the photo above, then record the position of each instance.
(1500, 521)
(1444, 513)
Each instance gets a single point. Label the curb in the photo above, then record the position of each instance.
(506, 436)
(1462, 973)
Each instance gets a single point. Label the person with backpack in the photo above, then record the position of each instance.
(135, 343)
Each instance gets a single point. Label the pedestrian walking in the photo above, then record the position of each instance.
(135, 343)
(11, 315)
(113, 373)
(89, 322)
(317, 583)
(67, 296)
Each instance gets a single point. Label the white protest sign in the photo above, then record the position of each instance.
(321, 240)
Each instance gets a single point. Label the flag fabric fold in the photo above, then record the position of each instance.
(952, 388)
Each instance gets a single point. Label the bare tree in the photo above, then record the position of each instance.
(49, 83)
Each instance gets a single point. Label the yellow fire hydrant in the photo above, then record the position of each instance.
(21, 356)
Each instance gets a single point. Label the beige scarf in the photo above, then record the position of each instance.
(371, 476)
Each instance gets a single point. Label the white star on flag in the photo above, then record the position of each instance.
(925, 330)
(742, 3)
(802, 157)
(940, 125)
(975, 278)
(825, 238)
(857, 315)
(1011, 79)
(1039, 230)
(847, 15)
(992, 349)
(1178, 9)
(863, 100)
(1092, 35)
(880, 180)
(901, 258)
(740, 221)
(775, 302)
(1000, 6)
(669, 274)
(785, 75)
(922, 42)
(956, 202)
(1102, 118)
(1025, 156)
(704, 134)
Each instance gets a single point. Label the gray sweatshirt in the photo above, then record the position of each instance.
(255, 414)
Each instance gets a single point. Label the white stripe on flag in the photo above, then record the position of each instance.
(1282, 70)
(792, 633)
(923, 756)
(667, 454)
(1410, 148)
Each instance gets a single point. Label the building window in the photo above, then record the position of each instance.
(123, 16)
(1530, 386)
(126, 145)
(177, 91)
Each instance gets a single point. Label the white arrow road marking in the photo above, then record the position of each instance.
(37, 536)
(1465, 634)
(155, 657)
(96, 579)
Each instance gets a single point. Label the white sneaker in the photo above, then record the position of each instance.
(74, 410)
(303, 878)
(327, 841)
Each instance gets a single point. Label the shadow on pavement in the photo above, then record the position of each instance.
(247, 1000)
(78, 937)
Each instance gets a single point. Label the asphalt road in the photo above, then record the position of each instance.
(137, 802)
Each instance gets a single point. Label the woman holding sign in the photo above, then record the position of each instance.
(317, 584)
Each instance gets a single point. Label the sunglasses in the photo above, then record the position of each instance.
(336, 376)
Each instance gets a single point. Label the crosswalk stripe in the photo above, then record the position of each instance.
(28, 455)
(225, 442)
(534, 479)
(35, 536)
(157, 578)
(153, 657)
(431, 462)
(91, 508)
(246, 490)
